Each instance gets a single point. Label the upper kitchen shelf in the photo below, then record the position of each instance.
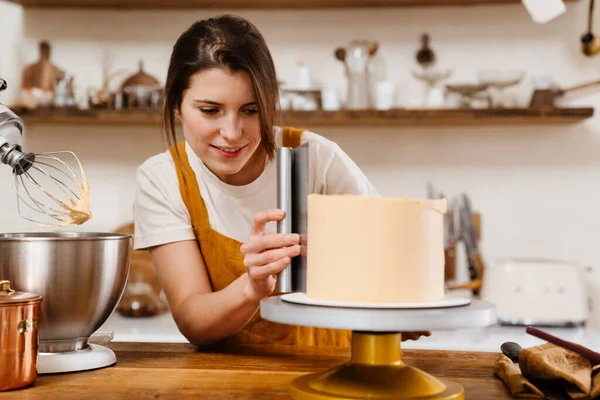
(254, 4)
(395, 117)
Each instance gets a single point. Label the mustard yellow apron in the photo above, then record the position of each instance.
(224, 263)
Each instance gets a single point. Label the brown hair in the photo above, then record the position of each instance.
(228, 42)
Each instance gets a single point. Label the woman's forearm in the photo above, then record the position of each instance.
(204, 318)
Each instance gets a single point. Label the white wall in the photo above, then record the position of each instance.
(537, 187)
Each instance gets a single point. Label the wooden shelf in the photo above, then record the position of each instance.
(250, 4)
(395, 117)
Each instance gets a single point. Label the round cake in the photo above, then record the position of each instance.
(375, 249)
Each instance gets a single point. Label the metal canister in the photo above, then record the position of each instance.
(19, 337)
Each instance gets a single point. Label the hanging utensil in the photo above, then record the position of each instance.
(590, 43)
(545, 98)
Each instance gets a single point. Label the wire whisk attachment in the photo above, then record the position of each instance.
(50, 190)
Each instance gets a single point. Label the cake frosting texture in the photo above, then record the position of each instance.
(375, 249)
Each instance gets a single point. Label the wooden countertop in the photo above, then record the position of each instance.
(180, 371)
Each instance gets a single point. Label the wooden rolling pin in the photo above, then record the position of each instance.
(574, 347)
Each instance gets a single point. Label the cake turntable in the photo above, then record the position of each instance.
(375, 369)
(413, 237)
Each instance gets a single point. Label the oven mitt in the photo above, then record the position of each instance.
(596, 383)
(517, 384)
(550, 362)
(548, 365)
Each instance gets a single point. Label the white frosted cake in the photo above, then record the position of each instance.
(375, 249)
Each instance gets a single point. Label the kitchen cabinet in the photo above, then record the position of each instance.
(180, 371)
(254, 4)
(395, 117)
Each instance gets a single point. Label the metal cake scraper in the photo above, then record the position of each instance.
(293, 177)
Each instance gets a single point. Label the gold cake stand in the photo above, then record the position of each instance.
(375, 369)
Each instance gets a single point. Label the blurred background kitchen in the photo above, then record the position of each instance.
(449, 107)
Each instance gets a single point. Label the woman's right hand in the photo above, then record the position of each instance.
(267, 254)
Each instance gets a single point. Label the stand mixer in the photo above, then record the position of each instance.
(80, 276)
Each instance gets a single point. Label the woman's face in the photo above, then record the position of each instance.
(220, 121)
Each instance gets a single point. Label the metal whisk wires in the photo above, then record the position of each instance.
(50, 192)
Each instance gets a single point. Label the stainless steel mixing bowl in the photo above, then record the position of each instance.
(81, 277)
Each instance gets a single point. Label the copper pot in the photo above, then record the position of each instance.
(19, 337)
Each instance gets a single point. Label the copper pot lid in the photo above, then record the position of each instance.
(9, 296)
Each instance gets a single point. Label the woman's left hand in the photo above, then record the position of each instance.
(414, 335)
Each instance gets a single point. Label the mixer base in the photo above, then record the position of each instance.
(92, 357)
(375, 371)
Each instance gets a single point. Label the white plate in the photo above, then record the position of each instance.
(302, 298)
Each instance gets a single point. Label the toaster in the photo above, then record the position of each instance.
(540, 292)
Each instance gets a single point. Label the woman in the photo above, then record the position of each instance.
(206, 207)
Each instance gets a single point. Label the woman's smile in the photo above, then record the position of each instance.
(229, 151)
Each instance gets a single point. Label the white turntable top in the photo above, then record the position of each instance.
(473, 315)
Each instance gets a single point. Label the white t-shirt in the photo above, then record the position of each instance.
(161, 215)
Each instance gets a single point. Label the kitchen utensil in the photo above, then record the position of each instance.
(550, 390)
(49, 190)
(450, 240)
(19, 337)
(592, 285)
(41, 75)
(428, 73)
(545, 98)
(384, 97)
(511, 350)
(139, 78)
(541, 292)
(330, 99)
(469, 238)
(64, 95)
(591, 355)
(293, 179)
(139, 300)
(375, 369)
(450, 233)
(143, 96)
(468, 93)
(590, 43)
(497, 81)
(81, 277)
(431, 194)
(141, 90)
(425, 55)
(102, 97)
(356, 58)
